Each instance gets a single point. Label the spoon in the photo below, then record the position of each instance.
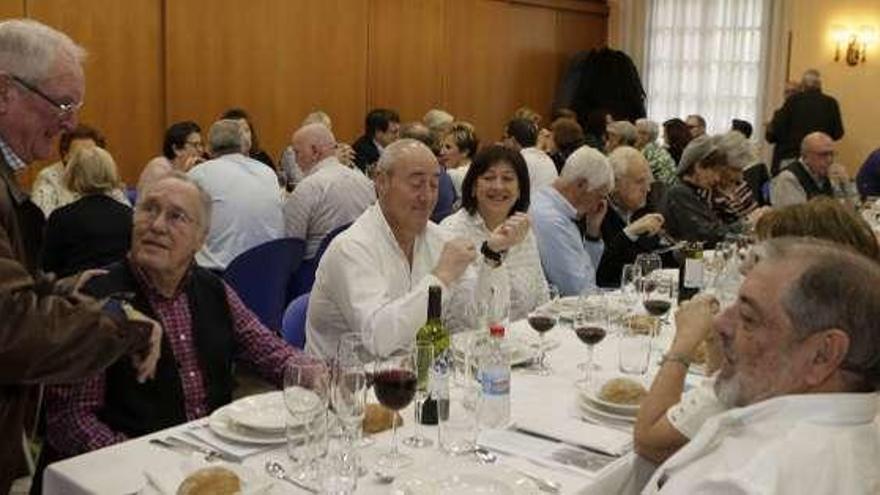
(276, 470)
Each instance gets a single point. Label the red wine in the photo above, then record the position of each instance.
(590, 335)
(395, 388)
(657, 307)
(542, 323)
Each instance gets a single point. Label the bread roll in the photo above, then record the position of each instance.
(210, 481)
(623, 391)
(378, 418)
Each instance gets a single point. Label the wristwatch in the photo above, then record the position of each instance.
(492, 258)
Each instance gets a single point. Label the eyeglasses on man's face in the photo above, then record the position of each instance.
(64, 109)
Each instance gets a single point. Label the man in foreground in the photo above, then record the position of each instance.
(799, 374)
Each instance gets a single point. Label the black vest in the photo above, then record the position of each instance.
(810, 187)
(139, 408)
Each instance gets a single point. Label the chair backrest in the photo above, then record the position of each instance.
(304, 278)
(261, 276)
(293, 326)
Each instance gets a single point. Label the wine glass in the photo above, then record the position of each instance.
(590, 328)
(350, 348)
(657, 294)
(395, 382)
(628, 287)
(306, 397)
(648, 262)
(348, 395)
(423, 354)
(542, 321)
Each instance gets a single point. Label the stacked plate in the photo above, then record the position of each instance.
(592, 405)
(521, 351)
(258, 419)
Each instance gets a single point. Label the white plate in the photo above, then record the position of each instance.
(263, 412)
(470, 480)
(221, 424)
(588, 408)
(522, 352)
(592, 395)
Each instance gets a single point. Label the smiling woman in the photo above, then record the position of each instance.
(495, 196)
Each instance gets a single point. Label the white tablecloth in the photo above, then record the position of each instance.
(119, 469)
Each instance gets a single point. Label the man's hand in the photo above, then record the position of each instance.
(70, 286)
(345, 154)
(648, 225)
(693, 323)
(594, 218)
(145, 363)
(456, 256)
(837, 173)
(510, 233)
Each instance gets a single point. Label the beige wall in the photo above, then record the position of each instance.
(857, 89)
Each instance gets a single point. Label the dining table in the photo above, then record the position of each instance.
(549, 403)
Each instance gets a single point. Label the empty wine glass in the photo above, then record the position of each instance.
(306, 396)
(348, 395)
(423, 354)
(395, 382)
(648, 262)
(351, 349)
(628, 288)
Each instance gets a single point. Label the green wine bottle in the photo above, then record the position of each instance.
(432, 332)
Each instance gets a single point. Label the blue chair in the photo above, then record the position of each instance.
(293, 326)
(131, 193)
(304, 278)
(261, 277)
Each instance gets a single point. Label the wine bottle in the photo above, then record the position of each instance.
(690, 274)
(435, 333)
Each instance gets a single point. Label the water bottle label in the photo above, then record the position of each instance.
(693, 273)
(495, 382)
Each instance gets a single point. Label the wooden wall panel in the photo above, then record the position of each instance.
(11, 8)
(406, 56)
(123, 71)
(578, 31)
(277, 59)
(533, 48)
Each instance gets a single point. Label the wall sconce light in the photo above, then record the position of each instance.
(856, 43)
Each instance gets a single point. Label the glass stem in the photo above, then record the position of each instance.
(589, 370)
(543, 365)
(394, 451)
(418, 426)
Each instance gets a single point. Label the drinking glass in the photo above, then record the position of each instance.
(542, 321)
(658, 293)
(306, 396)
(648, 262)
(634, 347)
(395, 382)
(424, 358)
(348, 395)
(628, 287)
(351, 349)
(591, 327)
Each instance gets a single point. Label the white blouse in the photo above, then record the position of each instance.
(521, 267)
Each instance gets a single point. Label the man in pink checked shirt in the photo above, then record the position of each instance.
(206, 325)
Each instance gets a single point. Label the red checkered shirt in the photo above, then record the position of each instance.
(72, 424)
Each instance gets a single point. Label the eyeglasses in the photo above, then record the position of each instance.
(64, 109)
(175, 218)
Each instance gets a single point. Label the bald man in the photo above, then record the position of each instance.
(330, 194)
(813, 174)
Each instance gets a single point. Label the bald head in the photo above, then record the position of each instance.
(817, 153)
(312, 143)
(632, 177)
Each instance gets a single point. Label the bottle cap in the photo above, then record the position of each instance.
(496, 330)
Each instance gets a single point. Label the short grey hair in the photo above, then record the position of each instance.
(590, 164)
(205, 201)
(811, 79)
(29, 48)
(738, 150)
(225, 137)
(622, 158)
(397, 151)
(649, 126)
(837, 288)
(625, 130)
(436, 118)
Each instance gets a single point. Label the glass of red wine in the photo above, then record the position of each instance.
(591, 326)
(542, 321)
(395, 382)
(657, 294)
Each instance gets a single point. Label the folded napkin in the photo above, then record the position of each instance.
(533, 413)
(240, 451)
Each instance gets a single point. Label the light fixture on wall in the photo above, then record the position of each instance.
(857, 43)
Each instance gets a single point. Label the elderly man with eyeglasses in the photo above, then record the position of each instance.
(814, 174)
(49, 331)
(207, 329)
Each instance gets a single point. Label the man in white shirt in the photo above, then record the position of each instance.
(800, 371)
(567, 219)
(374, 277)
(246, 199)
(330, 195)
(522, 135)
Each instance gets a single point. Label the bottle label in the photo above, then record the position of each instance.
(495, 382)
(693, 273)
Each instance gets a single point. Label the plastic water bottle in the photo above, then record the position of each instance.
(493, 406)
